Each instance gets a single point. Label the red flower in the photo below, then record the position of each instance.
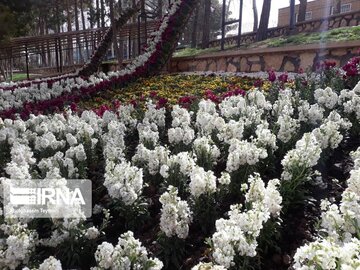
(116, 104)
(74, 107)
(134, 102)
(161, 103)
(258, 83)
(283, 77)
(153, 94)
(272, 76)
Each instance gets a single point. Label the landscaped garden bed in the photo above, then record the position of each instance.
(202, 172)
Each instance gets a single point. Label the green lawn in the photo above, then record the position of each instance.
(19, 77)
(339, 34)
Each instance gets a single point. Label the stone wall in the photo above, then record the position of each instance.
(289, 58)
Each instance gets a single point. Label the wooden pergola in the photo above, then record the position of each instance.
(58, 50)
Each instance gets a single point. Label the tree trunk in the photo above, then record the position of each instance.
(103, 47)
(194, 28)
(69, 28)
(256, 16)
(264, 21)
(337, 7)
(50, 62)
(134, 40)
(160, 7)
(292, 16)
(84, 28)
(302, 10)
(121, 42)
(97, 14)
(42, 32)
(77, 27)
(102, 13)
(57, 11)
(206, 29)
(114, 39)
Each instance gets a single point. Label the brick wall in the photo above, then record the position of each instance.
(318, 8)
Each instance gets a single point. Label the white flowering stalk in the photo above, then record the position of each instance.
(21, 160)
(284, 104)
(231, 130)
(16, 249)
(250, 108)
(151, 160)
(180, 117)
(310, 114)
(326, 98)
(125, 113)
(283, 111)
(264, 137)
(258, 99)
(288, 127)
(202, 182)
(175, 214)
(154, 115)
(76, 153)
(340, 247)
(179, 135)
(225, 178)
(180, 163)
(113, 141)
(350, 101)
(207, 153)
(207, 118)
(327, 254)
(92, 233)
(48, 141)
(237, 236)
(127, 254)
(148, 133)
(305, 155)
(123, 181)
(232, 107)
(50, 263)
(243, 153)
(208, 266)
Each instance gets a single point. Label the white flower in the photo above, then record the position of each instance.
(92, 233)
(175, 214)
(103, 255)
(208, 266)
(326, 97)
(243, 152)
(225, 178)
(123, 181)
(50, 263)
(202, 182)
(127, 254)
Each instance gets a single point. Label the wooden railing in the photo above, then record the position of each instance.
(70, 49)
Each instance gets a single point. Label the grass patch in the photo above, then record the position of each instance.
(338, 34)
(188, 52)
(19, 77)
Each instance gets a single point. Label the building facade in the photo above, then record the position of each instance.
(318, 9)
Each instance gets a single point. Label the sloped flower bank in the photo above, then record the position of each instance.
(51, 96)
(216, 183)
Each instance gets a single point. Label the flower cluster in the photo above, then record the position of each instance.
(237, 236)
(127, 254)
(175, 214)
(340, 247)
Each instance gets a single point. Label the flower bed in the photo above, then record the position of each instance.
(215, 182)
(49, 98)
(169, 87)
